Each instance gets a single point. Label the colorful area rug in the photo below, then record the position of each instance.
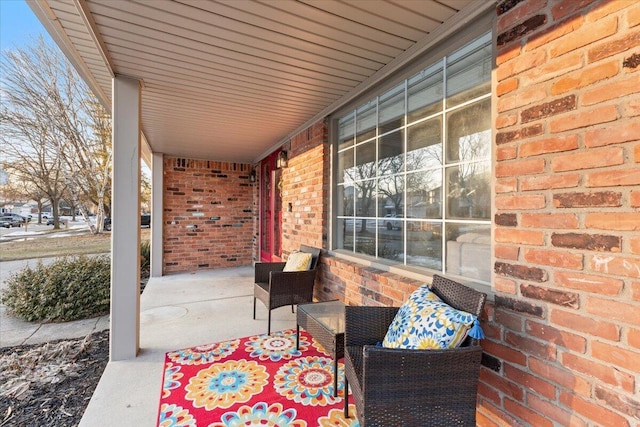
(260, 380)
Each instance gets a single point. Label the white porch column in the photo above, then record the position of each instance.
(157, 186)
(125, 217)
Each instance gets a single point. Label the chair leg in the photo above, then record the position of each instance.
(254, 308)
(346, 396)
(269, 324)
(292, 308)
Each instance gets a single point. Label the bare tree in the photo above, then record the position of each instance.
(51, 121)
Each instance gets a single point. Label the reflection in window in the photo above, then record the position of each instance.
(413, 169)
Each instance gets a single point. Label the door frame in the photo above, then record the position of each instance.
(270, 214)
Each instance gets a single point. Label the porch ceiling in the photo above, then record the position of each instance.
(232, 80)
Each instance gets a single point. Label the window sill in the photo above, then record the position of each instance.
(415, 273)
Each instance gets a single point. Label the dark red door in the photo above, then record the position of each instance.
(270, 210)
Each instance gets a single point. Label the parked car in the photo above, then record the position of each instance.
(9, 220)
(145, 222)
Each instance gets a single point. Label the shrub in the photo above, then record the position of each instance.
(145, 256)
(70, 288)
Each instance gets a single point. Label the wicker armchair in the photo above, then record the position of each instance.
(277, 288)
(393, 387)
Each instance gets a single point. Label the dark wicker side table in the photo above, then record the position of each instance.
(324, 321)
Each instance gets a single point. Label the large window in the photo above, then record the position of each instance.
(414, 168)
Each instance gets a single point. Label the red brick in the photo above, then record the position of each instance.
(506, 219)
(611, 156)
(634, 199)
(624, 177)
(635, 245)
(613, 90)
(531, 183)
(501, 384)
(549, 220)
(606, 373)
(534, 383)
(525, 413)
(520, 167)
(616, 400)
(616, 356)
(507, 54)
(603, 285)
(553, 296)
(584, 118)
(498, 418)
(631, 107)
(523, 237)
(554, 32)
(521, 63)
(589, 199)
(554, 258)
(636, 153)
(585, 77)
(635, 291)
(536, 201)
(605, 9)
(621, 132)
(504, 352)
(613, 310)
(553, 68)
(509, 320)
(584, 36)
(612, 47)
(507, 252)
(487, 393)
(613, 221)
(561, 376)
(506, 86)
(505, 285)
(566, 7)
(633, 338)
(597, 413)
(506, 185)
(633, 17)
(549, 145)
(529, 346)
(518, 14)
(554, 411)
(506, 153)
(586, 325)
(520, 133)
(555, 336)
(506, 120)
(521, 98)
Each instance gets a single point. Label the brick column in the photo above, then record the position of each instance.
(566, 321)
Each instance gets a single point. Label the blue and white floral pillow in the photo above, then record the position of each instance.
(426, 322)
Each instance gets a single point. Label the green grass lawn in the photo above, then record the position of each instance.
(60, 246)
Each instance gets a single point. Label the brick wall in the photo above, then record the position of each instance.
(219, 199)
(563, 331)
(305, 190)
(567, 173)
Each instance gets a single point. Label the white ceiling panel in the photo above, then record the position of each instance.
(231, 80)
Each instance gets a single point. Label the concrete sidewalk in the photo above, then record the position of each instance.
(14, 331)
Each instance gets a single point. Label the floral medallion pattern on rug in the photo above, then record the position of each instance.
(204, 354)
(171, 376)
(276, 347)
(307, 380)
(259, 380)
(222, 385)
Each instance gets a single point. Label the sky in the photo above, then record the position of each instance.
(18, 24)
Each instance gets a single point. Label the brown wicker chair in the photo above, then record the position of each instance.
(277, 288)
(393, 387)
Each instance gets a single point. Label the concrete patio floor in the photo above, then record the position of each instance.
(177, 311)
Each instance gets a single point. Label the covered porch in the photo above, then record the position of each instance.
(543, 214)
(178, 311)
